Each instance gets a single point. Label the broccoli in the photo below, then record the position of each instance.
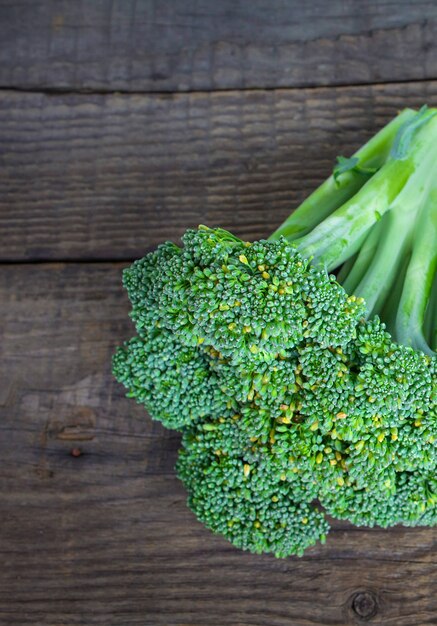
(301, 370)
(175, 381)
(246, 493)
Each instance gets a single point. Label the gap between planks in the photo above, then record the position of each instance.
(67, 91)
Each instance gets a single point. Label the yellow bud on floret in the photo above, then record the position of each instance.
(360, 445)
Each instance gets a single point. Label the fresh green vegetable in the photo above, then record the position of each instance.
(293, 398)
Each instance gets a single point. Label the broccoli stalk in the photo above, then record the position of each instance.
(391, 216)
(419, 291)
(348, 177)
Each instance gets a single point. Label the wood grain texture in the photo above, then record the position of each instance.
(109, 177)
(156, 45)
(94, 529)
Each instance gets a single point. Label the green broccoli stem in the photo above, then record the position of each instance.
(379, 278)
(353, 271)
(333, 193)
(430, 324)
(375, 229)
(419, 280)
(391, 239)
(342, 233)
(390, 309)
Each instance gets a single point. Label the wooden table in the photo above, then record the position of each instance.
(121, 124)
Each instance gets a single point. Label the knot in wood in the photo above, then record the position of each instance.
(364, 605)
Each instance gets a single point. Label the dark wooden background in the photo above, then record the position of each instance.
(122, 122)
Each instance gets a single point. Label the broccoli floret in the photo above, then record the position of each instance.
(174, 382)
(243, 299)
(407, 498)
(302, 369)
(249, 496)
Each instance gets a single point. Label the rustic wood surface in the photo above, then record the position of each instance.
(110, 176)
(94, 528)
(105, 537)
(156, 45)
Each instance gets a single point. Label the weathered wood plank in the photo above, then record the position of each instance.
(150, 45)
(93, 176)
(104, 538)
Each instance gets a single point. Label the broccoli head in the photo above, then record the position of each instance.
(301, 370)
